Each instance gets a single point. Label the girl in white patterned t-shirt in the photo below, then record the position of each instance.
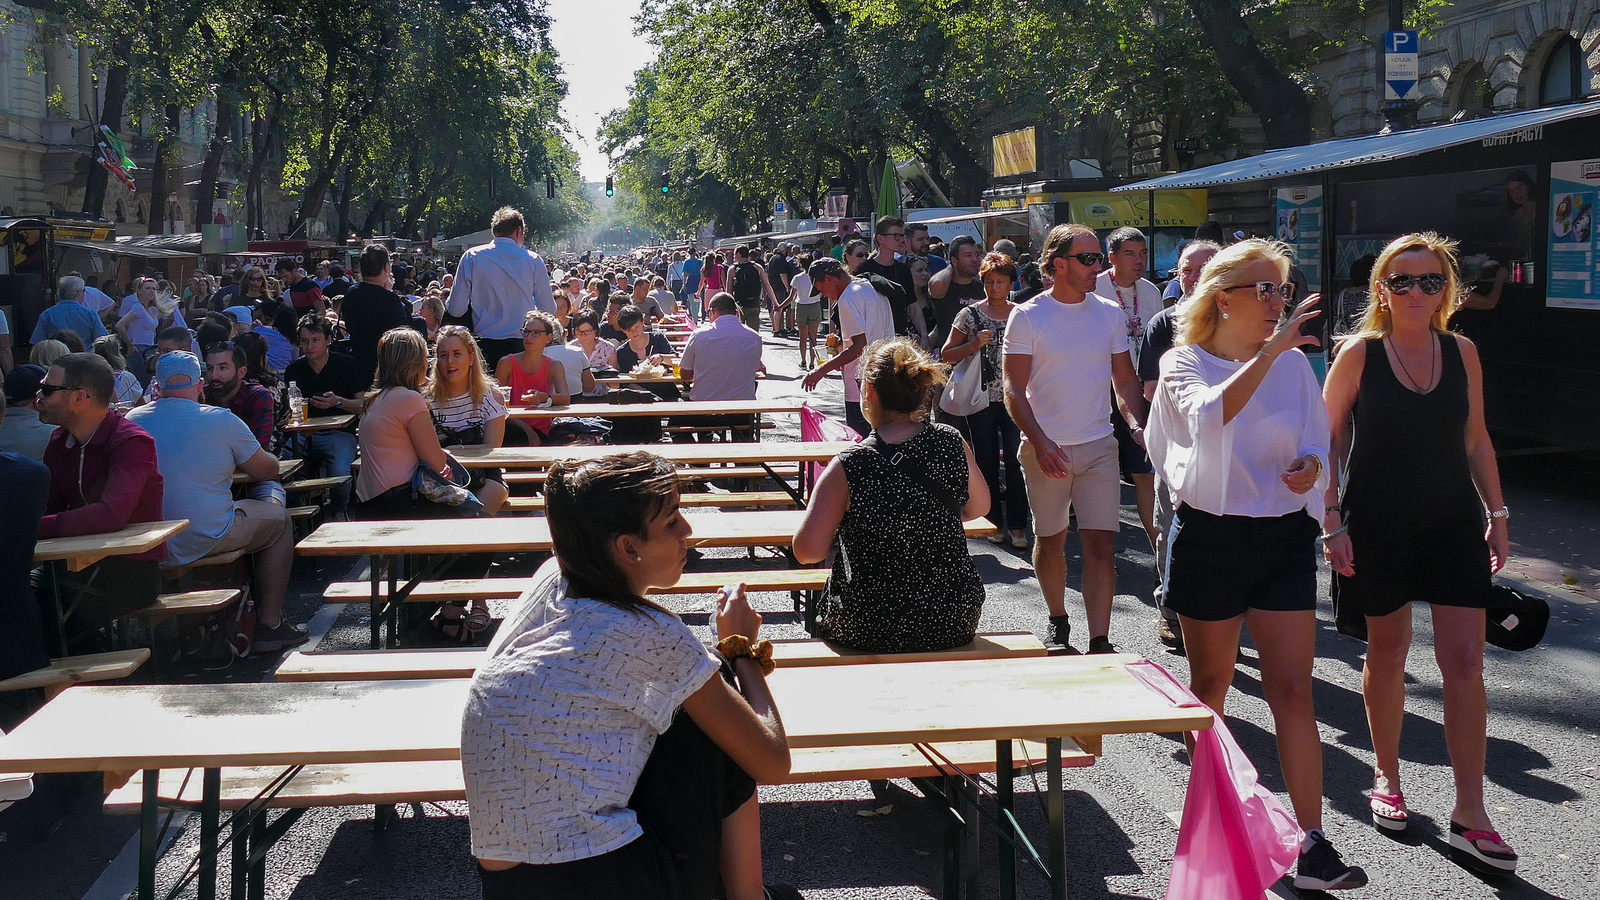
(603, 754)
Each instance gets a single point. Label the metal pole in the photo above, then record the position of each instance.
(1400, 114)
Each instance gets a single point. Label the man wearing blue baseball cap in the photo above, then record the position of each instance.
(198, 447)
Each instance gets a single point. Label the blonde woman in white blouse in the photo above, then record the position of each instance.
(1239, 432)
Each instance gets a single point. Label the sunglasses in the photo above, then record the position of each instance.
(1431, 283)
(46, 390)
(1266, 289)
(1088, 259)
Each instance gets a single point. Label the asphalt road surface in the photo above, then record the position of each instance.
(838, 841)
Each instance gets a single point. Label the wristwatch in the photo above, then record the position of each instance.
(1503, 512)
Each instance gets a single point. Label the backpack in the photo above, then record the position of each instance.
(746, 284)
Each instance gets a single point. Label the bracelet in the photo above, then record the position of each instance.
(1332, 507)
(1503, 512)
(1336, 532)
(737, 646)
(1318, 460)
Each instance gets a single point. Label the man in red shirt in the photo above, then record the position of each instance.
(299, 289)
(103, 475)
(225, 371)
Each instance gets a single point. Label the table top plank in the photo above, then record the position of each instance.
(286, 467)
(732, 453)
(86, 549)
(120, 728)
(320, 423)
(753, 528)
(660, 410)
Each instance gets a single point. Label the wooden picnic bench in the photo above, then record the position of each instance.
(223, 726)
(781, 472)
(461, 589)
(718, 500)
(67, 671)
(661, 410)
(462, 662)
(65, 555)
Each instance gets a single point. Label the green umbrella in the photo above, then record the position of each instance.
(888, 191)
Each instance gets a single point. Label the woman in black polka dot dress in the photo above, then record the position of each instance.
(902, 579)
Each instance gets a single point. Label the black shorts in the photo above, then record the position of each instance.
(1131, 458)
(1220, 566)
(688, 786)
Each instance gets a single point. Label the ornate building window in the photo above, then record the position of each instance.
(1566, 74)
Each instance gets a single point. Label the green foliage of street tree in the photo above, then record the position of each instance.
(748, 101)
(422, 115)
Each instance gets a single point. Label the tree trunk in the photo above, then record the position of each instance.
(94, 196)
(261, 127)
(212, 167)
(1277, 100)
(342, 204)
(160, 172)
(425, 198)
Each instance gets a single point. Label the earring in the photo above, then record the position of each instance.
(638, 558)
(1224, 315)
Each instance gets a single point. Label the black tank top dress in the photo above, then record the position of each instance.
(1416, 522)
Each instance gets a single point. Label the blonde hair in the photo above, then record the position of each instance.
(402, 362)
(46, 352)
(479, 382)
(109, 348)
(903, 376)
(1198, 318)
(1375, 319)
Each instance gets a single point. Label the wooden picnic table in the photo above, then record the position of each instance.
(394, 544)
(320, 423)
(626, 380)
(286, 467)
(74, 554)
(664, 409)
(120, 729)
(682, 454)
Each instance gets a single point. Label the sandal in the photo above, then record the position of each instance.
(1388, 810)
(477, 621)
(1465, 841)
(451, 628)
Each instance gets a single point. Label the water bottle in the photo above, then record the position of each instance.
(297, 403)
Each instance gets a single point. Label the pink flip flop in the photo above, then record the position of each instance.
(1381, 804)
(1465, 841)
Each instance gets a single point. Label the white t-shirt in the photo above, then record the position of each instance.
(125, 388)
(573, 361)
(460, 412)
(862, 310)
(142, 330)
(1069, 385)
(561, 718)
(802, 284)
(1233, 469)
(1139, 303)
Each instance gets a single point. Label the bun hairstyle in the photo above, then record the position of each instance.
(590, 503)
(903, 376)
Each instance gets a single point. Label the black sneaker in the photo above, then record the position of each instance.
(1059, 632)
(781, 891)
(1101, 644)
(1321, 869)
(281, 636)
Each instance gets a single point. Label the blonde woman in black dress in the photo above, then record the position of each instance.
(1422, 519)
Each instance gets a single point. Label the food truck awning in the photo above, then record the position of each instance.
(122, 248)
(975, 216)
(1375, 148)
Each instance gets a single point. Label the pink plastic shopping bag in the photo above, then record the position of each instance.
(818, 426)
(1236, 839)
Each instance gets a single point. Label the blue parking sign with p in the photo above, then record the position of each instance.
(1400, 42)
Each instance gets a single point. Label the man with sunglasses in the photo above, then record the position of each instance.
(1065, 351)
(103, 476)
(889, 238)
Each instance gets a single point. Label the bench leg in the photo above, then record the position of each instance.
(1006, 846)
(210, 812)
(1055, 814)
(952, 840)
(149, 834)
(259, 845)
(241, 854)
(374, 604)
(969, 844)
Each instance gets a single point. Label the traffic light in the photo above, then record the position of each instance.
(609, 189)
(550, 186)
(666, 183)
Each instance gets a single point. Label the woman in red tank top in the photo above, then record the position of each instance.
(534, 379)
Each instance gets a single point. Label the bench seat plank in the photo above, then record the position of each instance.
(722, 501)
(315, 484)
(511, 588)
(454, 662)
(69, 670)
(384, 783)
(691, 473)
(191, 603)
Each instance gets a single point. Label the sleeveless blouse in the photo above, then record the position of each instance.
(902, 578)
(523, 382)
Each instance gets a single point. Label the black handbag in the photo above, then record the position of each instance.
(1516, 621)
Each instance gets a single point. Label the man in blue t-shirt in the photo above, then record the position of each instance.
(197, 450)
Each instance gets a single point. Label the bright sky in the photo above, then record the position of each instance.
(599, 54)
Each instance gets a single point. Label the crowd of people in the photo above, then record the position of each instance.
(1199, 396)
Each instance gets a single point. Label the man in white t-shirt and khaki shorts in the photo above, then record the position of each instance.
(864, 317)
(1065, 350)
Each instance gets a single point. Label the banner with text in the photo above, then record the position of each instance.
(1574, 279)
(1015, 153)
(1300, 226)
